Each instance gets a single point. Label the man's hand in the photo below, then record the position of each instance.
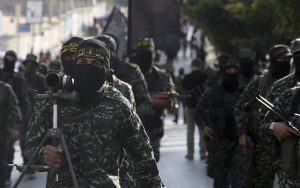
(243, 141)
(52, 156)
(208, 132)
(161, 99)
(281, 130)
(14, 135)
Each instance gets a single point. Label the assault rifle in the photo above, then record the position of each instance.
(277, 112)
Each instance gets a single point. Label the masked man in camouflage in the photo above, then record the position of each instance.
(131, 74)
(216, 108)
(18, 84)
(272, 124)
(96, 130)
(160, 85)
(11, 121)
(248, 119)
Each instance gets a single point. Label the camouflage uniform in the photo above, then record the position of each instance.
(10, 118)
(247, 120)
(131, 74)
(18, 84)
(268, 162)
(124, 88)
(216, 108)
(95, 138)
(285, 104)
(157, 80)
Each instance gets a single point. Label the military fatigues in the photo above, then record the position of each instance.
(157, 81)
(127, 167)
(10, 118)
(95, 139)
(247, 119)
(285, 103)
(131, 74)
(268, 161)
(216, 108)
(124, 88)
(18, 84)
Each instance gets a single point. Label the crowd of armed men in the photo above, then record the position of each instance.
(113, 130)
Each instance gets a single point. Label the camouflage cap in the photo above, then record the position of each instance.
(145, 43)
(55, 66)
(247, 53)
(295, 46)
(279, 50)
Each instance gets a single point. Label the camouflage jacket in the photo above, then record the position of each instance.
(247, 109)
(18, 84)
(10, 114)
(216, 109)
(96, 138)
(276, 90)
(157, 80)
(131, 74)
(124, 88)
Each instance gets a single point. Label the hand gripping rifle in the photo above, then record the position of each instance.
(276, 111)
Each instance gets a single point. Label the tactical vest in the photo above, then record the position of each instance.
(290, 146)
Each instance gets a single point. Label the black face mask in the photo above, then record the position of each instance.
(88, 80)
(68, 66)
(247, 67)
(31, 68)
(9, 66)
(296, 60)
(280, 69)
(144, 60)
(230, 81)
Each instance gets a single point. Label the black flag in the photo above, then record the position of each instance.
(158, 19)
(117, 26)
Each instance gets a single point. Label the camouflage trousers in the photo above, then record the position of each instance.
(288, 181)
(211, 162)
(225, 173)
(155, 136)
(3, 159)
(265, 162)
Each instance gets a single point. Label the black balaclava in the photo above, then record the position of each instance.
(144, 59)
(230, 81)
(68, 50)
(31, 64)
(280, 61)
(9, 62)
(247, 67)
(90, 78)
(143, 54)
